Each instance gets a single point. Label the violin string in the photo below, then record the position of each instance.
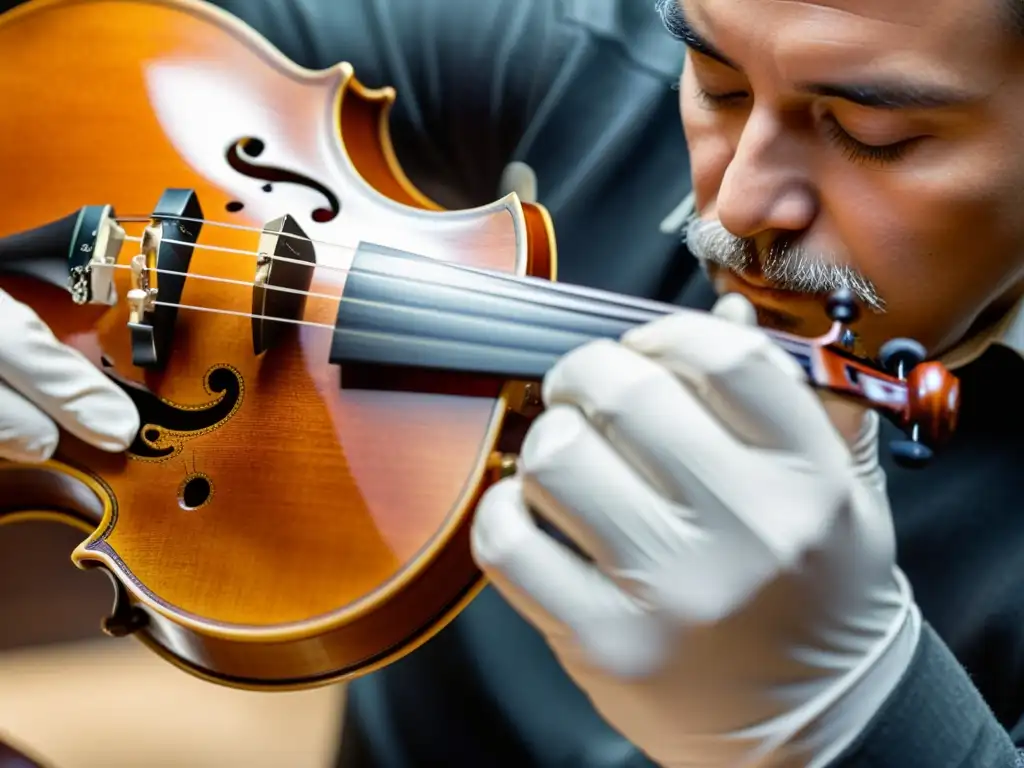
(245, 284)
(632, 302)
(230, 281)
(238, 227)
(242, 283)
(654, 308)
(251, 254)
(341, 246)
(657, 307)
(216, 311)
(651, 310)
(248, 284)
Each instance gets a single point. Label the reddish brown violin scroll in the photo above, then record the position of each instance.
(269, 527)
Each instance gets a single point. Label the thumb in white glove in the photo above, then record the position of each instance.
(855, 423)
(45, 384)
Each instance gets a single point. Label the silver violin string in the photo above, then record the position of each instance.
(631, 303)
(644, 305)
(654, 307)
(242, 283)
(246, 284)
(238, 227)
(235, 313)
(251, 254)
(264, 231)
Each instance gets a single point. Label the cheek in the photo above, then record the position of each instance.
(938, 242)
(708, 139)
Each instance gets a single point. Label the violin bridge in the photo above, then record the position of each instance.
(284, 274)
(158, 274)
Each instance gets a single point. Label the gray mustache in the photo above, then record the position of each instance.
(785, 264)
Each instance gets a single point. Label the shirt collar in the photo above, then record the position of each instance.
(1008, 331)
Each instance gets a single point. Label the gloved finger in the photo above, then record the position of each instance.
(26, 434)
(847, 416)
(661, 553)
(668, 434)
(735, 308)
(578, 482)
(554, 589)
(650, 417)
(749, 382)
(62, 382)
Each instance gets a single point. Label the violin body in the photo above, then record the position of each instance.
(270, 528)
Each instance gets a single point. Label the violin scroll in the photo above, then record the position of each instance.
(841, 307)
(922, 397)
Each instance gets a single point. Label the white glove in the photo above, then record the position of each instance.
(743, 606)
(44, 383)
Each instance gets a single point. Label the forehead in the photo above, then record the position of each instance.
(968, 32)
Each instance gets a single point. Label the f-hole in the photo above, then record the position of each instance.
(240, 156)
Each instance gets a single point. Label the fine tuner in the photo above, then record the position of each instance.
(403, 311)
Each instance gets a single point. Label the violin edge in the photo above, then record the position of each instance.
(273, 658)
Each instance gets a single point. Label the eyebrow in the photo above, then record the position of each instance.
(677, 26)
(892, 94)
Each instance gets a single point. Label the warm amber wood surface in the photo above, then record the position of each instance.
(112, 704)
(325, 501)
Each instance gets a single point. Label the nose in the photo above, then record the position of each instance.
(765, 187)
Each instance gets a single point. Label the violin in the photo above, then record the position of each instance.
(329, 368)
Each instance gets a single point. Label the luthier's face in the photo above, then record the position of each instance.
(877, 144)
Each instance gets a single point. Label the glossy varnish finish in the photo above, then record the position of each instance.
(336, 533)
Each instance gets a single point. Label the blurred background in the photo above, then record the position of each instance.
(73, 698)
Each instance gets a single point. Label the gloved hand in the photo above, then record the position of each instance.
(44, 383)
(743, 606)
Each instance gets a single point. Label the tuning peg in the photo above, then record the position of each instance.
(901, 358)
(910, 454)
(841, 307)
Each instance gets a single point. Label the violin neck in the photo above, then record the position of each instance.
(407, 311)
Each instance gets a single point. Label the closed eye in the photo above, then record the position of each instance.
(710, 100)
(859, 151)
